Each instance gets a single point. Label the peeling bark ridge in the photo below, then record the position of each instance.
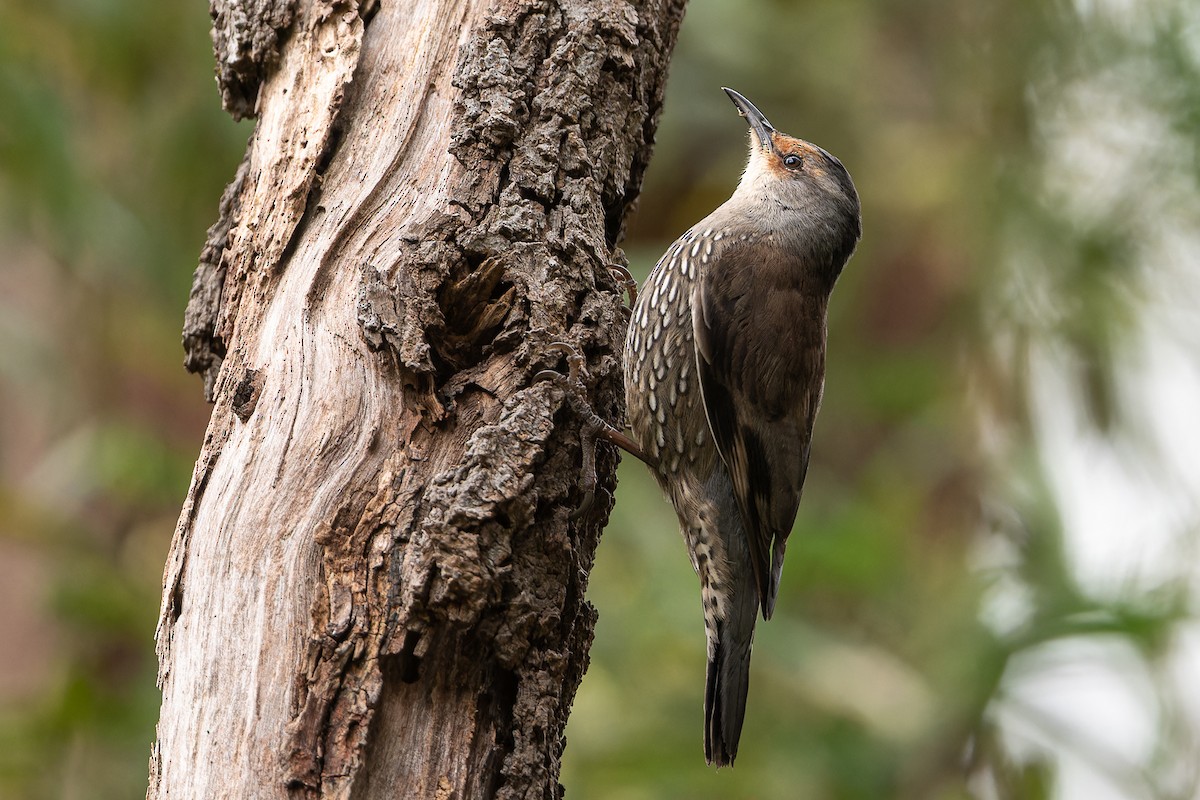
(375, 589)
(246, 38)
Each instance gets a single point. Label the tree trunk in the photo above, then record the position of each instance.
(375, 588)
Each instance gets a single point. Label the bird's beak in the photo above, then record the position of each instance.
(757, 122)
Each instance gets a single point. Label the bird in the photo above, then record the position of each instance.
(724, 370)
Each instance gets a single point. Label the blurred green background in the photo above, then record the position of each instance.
(991, 591)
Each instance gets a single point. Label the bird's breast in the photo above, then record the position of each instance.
(662, 388)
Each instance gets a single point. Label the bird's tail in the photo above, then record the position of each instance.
(725, 690)
(728, 675)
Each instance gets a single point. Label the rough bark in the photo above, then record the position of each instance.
(246, 38)
(375, 589)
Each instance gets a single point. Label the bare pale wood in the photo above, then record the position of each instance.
(375, 589)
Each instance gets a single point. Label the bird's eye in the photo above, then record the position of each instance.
(792, 162)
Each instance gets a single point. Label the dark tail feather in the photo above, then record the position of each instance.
(776, 569)
(728, 675)
(725, 689)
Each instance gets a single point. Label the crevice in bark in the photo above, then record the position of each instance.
(475, 306)
(496, 703)
(409, 663)
(245, 395)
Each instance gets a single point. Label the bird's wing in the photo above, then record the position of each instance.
(760, 351)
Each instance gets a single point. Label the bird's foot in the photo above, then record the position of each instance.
(625, 281)
(593, 428)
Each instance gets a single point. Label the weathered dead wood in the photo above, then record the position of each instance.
(374, 588)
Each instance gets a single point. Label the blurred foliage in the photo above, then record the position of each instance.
(1028, 174)
(113, 153)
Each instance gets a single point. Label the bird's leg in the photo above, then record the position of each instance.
(593, 428)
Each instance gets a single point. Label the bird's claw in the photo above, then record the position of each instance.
(575, 368)
(625, 281)
(585, 505)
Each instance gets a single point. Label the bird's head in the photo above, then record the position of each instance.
(796, 185)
